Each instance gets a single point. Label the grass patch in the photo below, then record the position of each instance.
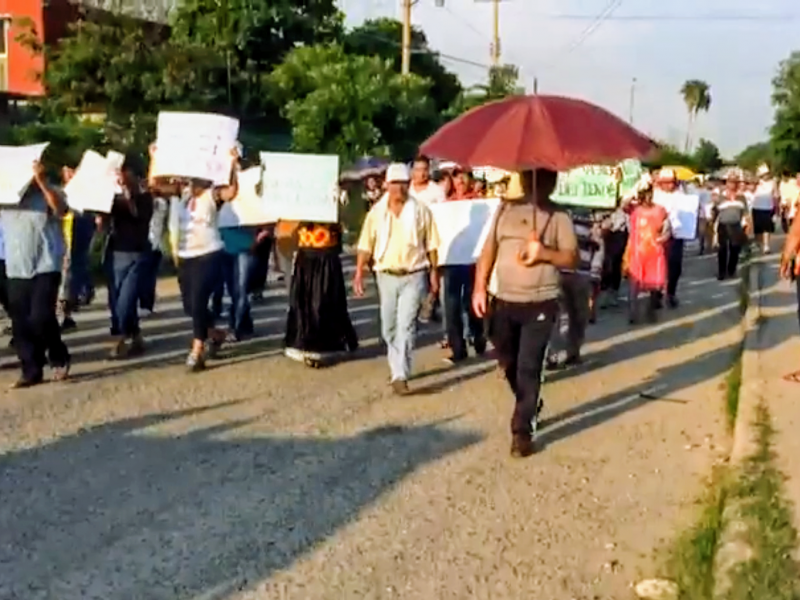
(691, 559)
(772, 573)
(733, 386)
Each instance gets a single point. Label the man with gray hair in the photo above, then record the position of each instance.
(400, 236)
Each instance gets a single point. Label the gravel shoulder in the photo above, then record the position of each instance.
(262, 479)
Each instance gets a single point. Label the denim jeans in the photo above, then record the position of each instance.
(80, 280)
(124, 270)
(569, 331)
(237, 270)
(457, 285)
(674, 266)
(149, 279)
(400, 300)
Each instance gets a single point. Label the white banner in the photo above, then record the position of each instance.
(194, 145)
(463, 228)
(94, 184)
(16, 170)
(683, 210)
(301, 187)
(248, 208)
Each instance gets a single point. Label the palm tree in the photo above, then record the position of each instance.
(697, 97)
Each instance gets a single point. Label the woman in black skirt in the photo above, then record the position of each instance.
(318, 326)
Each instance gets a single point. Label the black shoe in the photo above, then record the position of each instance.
(68, 324)
(522, 445)
(672, 302)
(24, 383)
(480, 347)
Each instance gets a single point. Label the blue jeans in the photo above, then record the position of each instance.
(237, 269)
(124, 270)
(80, 280)
(457, 285)
(400, 300)
(148, 280)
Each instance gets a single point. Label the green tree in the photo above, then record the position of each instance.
(351, 105)
(503, 81)
(785, 132)
(253, 36)
(706, 157)
(668, 155)
(697, 97)
(381, 37)
(754, 156)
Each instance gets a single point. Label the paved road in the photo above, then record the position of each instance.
(262, 479)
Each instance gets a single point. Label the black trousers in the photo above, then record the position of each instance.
(674, 266)
(258, 276)
(3, 287)
(615, 243)
(198, 277)
(37, 335)
(730, 239)
(458, 280)
(520, 334)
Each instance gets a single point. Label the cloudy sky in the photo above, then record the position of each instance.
(734, 45)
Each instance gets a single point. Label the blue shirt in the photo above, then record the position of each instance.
(33, 237)
(238, 239)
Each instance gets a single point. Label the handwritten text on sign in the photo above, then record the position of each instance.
(195, 145)
(301, 187)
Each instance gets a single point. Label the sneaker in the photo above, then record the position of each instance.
(195, 362)
(68, 324)
(400, 387)
(119, 350)
(137, 346)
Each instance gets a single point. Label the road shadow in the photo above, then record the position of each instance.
(122, 511)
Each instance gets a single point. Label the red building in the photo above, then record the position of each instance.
(49, 20)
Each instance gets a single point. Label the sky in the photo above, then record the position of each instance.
(735, 46)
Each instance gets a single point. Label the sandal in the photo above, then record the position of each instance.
(792, 377)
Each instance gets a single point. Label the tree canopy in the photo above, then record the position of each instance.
(754, 156)
(785, 132)
(351, 105)
(697, 97)
(381, 37)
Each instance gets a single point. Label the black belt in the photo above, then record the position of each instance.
(401, 272)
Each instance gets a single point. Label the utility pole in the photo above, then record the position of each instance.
(633, 100)
(405, 64)
(495, 49)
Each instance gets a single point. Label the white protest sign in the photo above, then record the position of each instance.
(94, 184)
(248, 207)
(463, 227)
(301, 187)
(194, 145)
(683, 210)
(16, 170)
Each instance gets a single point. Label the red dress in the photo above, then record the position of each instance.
(647, 259)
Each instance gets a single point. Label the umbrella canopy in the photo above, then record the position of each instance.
(364, 167)
(549, 132)
(683, 173)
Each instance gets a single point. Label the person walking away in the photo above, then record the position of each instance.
(198, 247)
(34, 251)
(646, 254)
(155, 237)
(731, 218)
(765, 200)
(576, 297)
(457, 281)
(529, 241)
(666, 185)
(615, 239)
(238, 262)
(318, 325)
(126, 254)
(399, 234)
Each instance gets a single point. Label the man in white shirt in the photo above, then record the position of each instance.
(763, 206)
(422, 188)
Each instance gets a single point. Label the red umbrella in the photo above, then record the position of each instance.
(549, 132)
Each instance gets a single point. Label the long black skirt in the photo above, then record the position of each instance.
(318, 324)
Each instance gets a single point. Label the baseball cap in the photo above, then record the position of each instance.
(666, 175)
(397, 173)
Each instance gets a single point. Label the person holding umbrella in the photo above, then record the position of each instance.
(529, 241)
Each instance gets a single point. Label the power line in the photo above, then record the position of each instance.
(667, 17)
(595, 25)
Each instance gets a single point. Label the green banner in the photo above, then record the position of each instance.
(595, 186)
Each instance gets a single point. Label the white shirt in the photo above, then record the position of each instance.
(763, 196)
(196, 231)
(432, 193)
